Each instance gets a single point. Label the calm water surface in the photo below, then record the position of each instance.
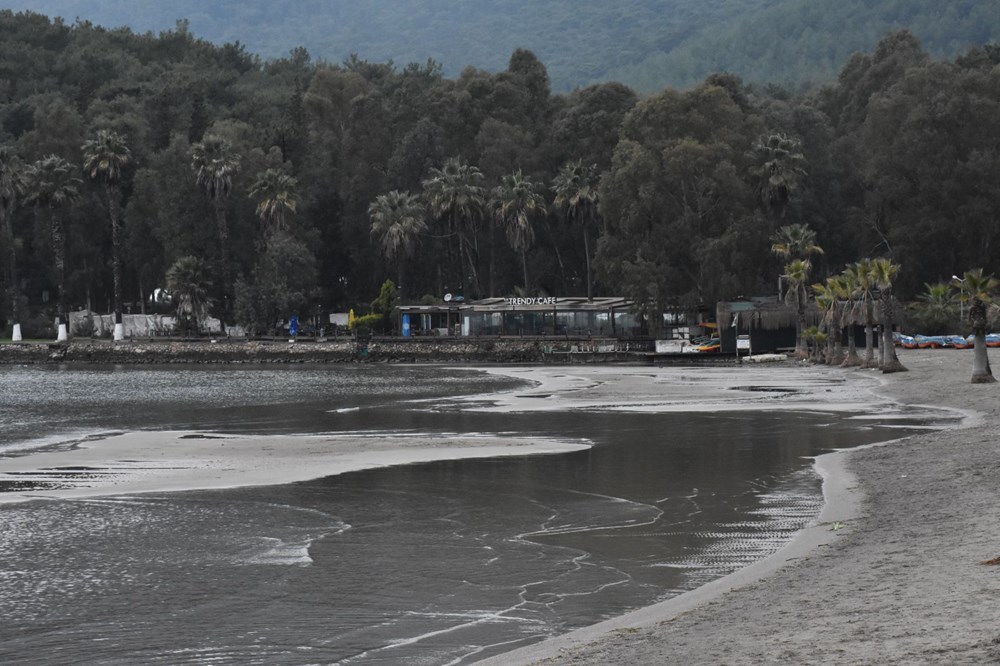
(438, 563)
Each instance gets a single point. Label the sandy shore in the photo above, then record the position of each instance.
(164, 461)
(899, 581)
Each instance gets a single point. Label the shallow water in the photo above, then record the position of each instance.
(437, 563)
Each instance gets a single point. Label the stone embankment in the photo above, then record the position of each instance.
(340, 350)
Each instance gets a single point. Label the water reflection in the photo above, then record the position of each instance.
(434, 563)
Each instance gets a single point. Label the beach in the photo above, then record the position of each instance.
(890, 574)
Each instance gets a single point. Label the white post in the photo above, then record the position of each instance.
(16, 335)
(119, 332)
(62, 335)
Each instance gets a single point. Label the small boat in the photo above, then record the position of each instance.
(931, 341)
(710, 346)
(905, 341)
(958, 342)
(993, 339)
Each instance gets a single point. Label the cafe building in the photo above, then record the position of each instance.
(523, 316)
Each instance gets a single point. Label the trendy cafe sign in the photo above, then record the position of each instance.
(540, 300)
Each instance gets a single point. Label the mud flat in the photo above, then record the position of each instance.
(891, 573)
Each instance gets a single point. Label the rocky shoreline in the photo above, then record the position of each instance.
(339, 350)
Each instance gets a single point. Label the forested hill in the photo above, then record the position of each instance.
(646, 44)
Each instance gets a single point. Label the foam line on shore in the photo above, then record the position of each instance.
(843, 507)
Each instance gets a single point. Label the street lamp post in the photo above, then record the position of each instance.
(961, 299)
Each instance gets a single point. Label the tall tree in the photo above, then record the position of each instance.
(397, 222)
(884, 273)
(795, 241)
(575, 188)
(215, 162)
(517, 202)
(277, 197)
(11, 187)
(862, 275)
(978, 290)
(845, 286)
(778, 167)
(826, 295)
(189, 286)
(456, 196)
(52, 186)
(796, 278)
(104, 159)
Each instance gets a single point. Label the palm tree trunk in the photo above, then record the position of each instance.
(524, 267)
(801, 349)
(59, 247)
(586, 253)
(869, 361)
(890, 362)
(461, 254)
(116, 262)
(836, 335)
(8, 232)
(555, 246)
(981, 372)
(493, 266)
(852, 359)
(472, 269)
(223, 228)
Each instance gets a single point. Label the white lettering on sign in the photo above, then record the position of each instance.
(540, 300)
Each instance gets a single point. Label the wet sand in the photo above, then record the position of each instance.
(164, 461)
(891, 574)
(899, 581)
(158, 461)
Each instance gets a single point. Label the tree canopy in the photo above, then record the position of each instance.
(273, 172)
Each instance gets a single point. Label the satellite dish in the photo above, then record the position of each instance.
(447, 298)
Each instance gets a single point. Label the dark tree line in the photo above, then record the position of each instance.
(302, 186)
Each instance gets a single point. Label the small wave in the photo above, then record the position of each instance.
(283, 554)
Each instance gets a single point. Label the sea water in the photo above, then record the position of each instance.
(437, 563)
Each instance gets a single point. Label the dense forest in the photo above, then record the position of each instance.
(269, 187)
(644, 44)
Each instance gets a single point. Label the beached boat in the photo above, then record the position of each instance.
(931, 341)
(993, 339)
(905, 341)
(958, 342)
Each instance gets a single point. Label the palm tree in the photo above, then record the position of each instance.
(778, 167)
(937, 307)
(977, 290)
(104, 159)
(397, 222)
(456, 196)
(11, 186)
(884, 273)
(189, 288)
(796, 276)
(517, 201)
(214, 164)
(848, 289)
(795, 241)
(52, 185)
(575, 188)
(830, 307)
(276, 194)
(864, 306)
